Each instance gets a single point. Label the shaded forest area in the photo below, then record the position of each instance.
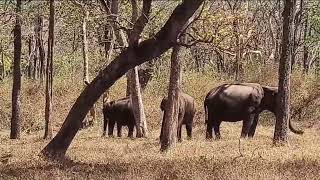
(64, 63)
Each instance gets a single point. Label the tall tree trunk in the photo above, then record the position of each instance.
(16, 89)
(35, 56)
(112, 8)
(85, 46)
(135, 91)
(49, 73)
(237, 64)
(2, 69)
(30, 53)
(306, 33)
(144, 51)
(137, 104)
(168, 134)
(40, 46)
(283, 98)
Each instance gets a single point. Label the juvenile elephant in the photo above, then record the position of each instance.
(187, 111)
(118, 112)
(236, 102)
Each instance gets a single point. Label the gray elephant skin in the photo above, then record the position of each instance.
(187, 111)
(239, 102)
(118, 112)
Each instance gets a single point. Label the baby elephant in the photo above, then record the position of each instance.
(120, 112)
(187, 111)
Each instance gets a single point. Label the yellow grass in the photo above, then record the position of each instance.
(94, 157)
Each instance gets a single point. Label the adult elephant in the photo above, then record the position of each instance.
(187, 111)
(236, 102)
(118, 112)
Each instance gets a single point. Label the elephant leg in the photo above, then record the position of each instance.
(179, 130)
(111, 124)
(104, 127)
(189, 130)
(209, 130)
(130, 133)
(119, 129)
(247, 122)
(209, 125)
(216, 127)
(253, 126)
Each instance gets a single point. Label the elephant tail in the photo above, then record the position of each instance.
(296, 131)
(205, 111)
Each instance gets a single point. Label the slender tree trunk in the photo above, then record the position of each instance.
(49, 73)
(168, 135)
(35, 56)
(145, 51)
(109, 39)
(2, 69)
(137, 104)
(283, 99)
(16, 89)
(85, 46)
(40, 46)
(30, 53)
(305, 46)
(238, 49)
(133, 80)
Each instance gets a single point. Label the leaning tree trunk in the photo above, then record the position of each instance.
(49, 77)
(283, 98)
(143, 52)
(16, 89)
(168, 134)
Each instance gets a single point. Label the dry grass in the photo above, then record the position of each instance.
(93, 157)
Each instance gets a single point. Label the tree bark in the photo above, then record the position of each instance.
(135, 91)
(41, 51)
(35, 55)
(137, 104)
(306, 33)
(16, 89)
(168, 135)
(283, 98)
(2, 69)
(127, 59)
(85, 46)
(49, 77)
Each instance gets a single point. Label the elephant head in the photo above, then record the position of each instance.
(269, 99)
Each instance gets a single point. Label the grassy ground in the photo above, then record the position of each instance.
(93, 157)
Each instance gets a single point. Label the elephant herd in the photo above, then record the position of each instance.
(227, 102)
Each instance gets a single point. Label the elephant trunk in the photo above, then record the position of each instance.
(293, 129)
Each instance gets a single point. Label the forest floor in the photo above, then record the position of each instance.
(93, 157)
